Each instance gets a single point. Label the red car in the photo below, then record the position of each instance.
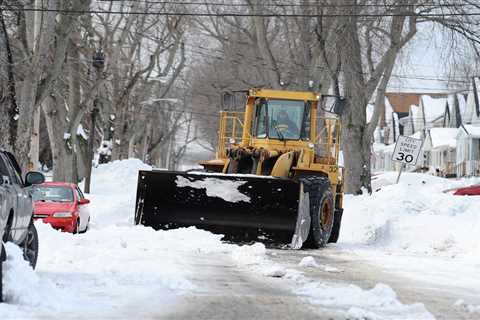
(62, 205)
(468, 191)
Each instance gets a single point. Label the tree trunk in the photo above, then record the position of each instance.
(62, 155)
(35, 140)
(120, 139)
(356, 146)
(8, 104)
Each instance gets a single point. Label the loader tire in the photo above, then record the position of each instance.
(321, 211)
(337, 221)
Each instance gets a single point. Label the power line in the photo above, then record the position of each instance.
(427, 78)
(236, 14)
(314, 5)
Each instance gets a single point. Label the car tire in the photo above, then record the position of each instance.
(86, 227)
(7, 236)
(30, 245)
(76, 230)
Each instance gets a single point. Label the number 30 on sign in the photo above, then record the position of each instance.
(407, 150)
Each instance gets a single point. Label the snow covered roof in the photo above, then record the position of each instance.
(472, 109)
(471, 130)
(444, 137)
(462, 103)
(433, 108)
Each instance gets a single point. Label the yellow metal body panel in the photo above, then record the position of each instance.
(283, 94)
(316, 155)
(282, 165)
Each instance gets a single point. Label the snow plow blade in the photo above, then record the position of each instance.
(243, 208)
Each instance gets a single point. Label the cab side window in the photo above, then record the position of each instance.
(261, 127)
(306, 122)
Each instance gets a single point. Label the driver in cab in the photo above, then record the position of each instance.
(285, 125)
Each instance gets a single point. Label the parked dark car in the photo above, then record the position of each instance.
(16, 209)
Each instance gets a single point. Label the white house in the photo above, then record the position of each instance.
(381, 159)
(449, 124)
(440, 151)
(454, 110)
(468, 151)
(472, 112)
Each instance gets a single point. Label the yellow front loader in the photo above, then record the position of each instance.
(275, 178)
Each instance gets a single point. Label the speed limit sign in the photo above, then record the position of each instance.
(407, 150)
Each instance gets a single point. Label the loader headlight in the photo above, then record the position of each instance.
(311, 145)
(64, 214)
(232, 141)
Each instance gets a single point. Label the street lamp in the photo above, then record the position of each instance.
(98, 62)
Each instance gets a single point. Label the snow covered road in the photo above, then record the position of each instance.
(402, 255)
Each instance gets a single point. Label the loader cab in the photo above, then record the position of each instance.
(281, 119)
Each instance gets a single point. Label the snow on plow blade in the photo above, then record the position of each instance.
(241, 207)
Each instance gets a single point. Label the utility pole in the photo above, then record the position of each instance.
(98, 64)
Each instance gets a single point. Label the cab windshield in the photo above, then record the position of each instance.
(52, 193)
(282, 119)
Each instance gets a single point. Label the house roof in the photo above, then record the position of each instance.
(401, 101)
(472, 112)
(433, 107)
(444, 137)
(470, 130)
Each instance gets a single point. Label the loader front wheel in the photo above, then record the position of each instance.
(321, 211)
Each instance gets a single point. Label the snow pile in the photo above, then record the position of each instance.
(467, 307)
(414, 216)
(223, 189)
(254, 257)
(378, 303)
(103, 273)
(113, 268)
(113, 192)
(250, 255)
(24, 290)
(308, 262)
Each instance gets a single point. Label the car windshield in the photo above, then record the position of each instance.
(52, 193)
(283, 118)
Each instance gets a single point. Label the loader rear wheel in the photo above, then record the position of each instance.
(336, 226)
(321, 211)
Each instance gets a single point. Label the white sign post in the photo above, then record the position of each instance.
(406, 152)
